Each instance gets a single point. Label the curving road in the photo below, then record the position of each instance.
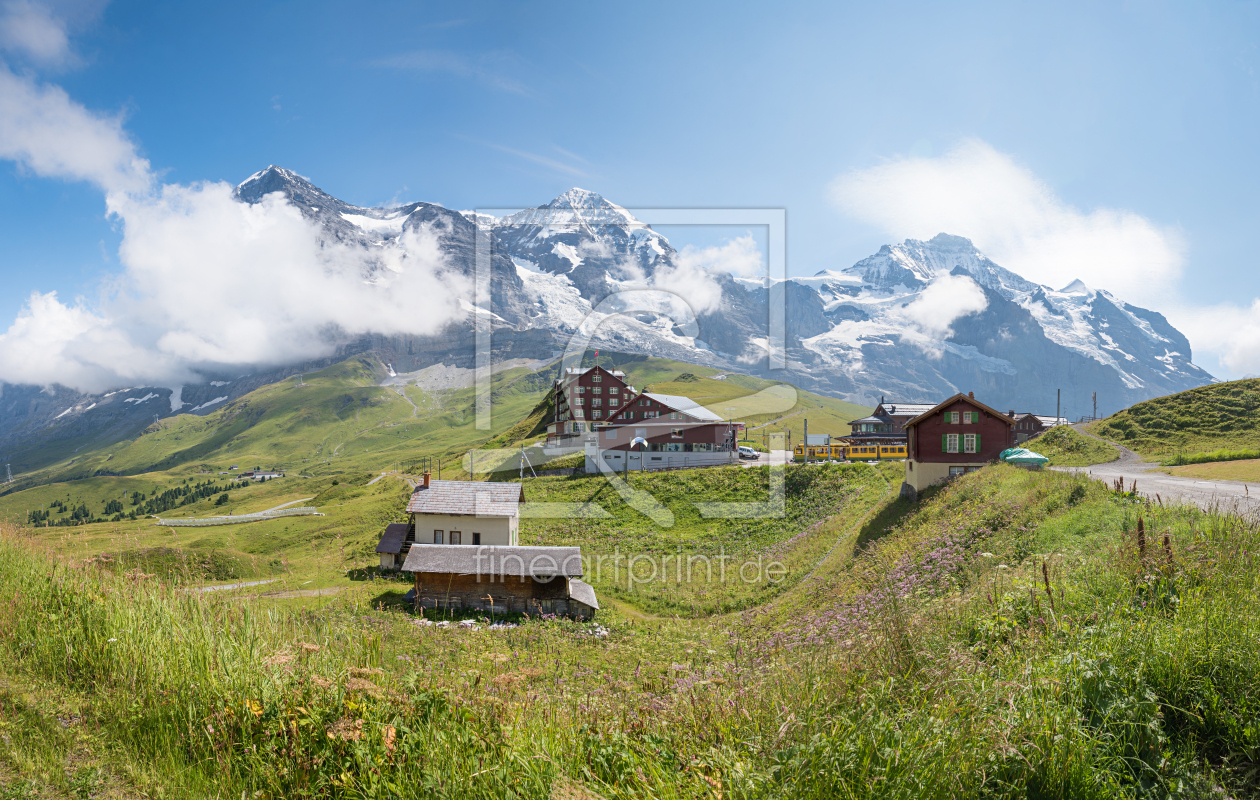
(1233, 496)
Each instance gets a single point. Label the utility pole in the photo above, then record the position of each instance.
(1058, 404)
(1095, 405)
(806, 442)
(9, 475)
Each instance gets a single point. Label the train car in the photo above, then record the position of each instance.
(856, 452)
(818, 452)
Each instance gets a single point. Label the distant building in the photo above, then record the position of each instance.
(624, 428)
(584, 397)
(461, 545)
(952, 438)
(663, 431)
(1029, 425)
(262, 474)
(886, 425)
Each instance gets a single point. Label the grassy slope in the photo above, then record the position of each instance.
(1222, 415)
(1244, 470)
(1067, 448)
(980, 675)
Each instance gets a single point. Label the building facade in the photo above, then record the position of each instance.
(500, 580)
(660, 431)
(480, 513)
(886, 425)
(585, 397)
(957, 436)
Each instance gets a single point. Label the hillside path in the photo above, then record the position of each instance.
(1219, 495)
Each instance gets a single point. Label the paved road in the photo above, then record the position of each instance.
(1223, 495)
(773, 458)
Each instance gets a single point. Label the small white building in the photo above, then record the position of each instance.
(480, 513)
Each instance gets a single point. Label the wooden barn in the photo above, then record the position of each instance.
(498, 580)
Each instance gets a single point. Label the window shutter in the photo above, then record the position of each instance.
(977, 443)
(944, 442)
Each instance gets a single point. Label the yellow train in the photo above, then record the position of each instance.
(857, 452)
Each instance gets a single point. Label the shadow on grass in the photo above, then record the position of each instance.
(377, 574)
(888, 518)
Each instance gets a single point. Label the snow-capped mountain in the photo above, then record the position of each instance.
(916, 321)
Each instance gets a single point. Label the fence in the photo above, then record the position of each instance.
(304, 511)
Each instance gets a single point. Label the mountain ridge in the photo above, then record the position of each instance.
(872, 329)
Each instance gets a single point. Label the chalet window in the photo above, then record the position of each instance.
(597, 402)
(949, 442)
(476, 538)
(597, 378)
(610, 434)
(629, 415)
(971, 443)
(596, 390)
(596, 414)
(676, 433)
(455, 537)
(613, 390)
(577, 413)
(437, 537)
(954, 472)
(581, 390)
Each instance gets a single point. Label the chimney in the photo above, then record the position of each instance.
(1011, 413)
(425, 483)
(972, 395)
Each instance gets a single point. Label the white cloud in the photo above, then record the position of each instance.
(31, 30)
(938, 306)
(1229, 332)
(692, 277)
(208, 282)
(46, 132)
(1016, 219)
(739, 256)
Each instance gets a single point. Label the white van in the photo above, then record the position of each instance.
(748, 452)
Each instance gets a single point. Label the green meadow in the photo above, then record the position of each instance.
(1014, 634)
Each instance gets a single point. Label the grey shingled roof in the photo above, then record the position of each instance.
(470, 498)
(392, 541)
(583, 593)
(686, 405)
(463, 559)
(907, 409)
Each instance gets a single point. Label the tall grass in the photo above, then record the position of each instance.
(1053, 647)
(1182, 459)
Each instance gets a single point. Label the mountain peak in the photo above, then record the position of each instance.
(946, 240)
(279, 179)
(1076, 287)
(579, 198)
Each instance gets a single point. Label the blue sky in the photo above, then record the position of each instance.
(1135, 121)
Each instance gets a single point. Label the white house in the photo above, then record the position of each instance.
(455, 513)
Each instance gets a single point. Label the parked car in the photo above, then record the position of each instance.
(748, 452)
